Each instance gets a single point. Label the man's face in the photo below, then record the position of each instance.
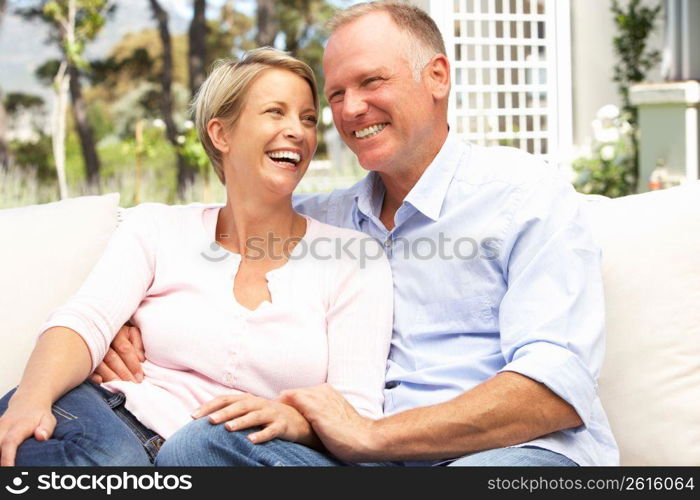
(380, 111)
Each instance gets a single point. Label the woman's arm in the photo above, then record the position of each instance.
(60, 361)
(116, 285)
(77, 335)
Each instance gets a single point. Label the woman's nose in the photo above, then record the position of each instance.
(293, 130)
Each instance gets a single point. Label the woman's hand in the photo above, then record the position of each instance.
(242, 411)
(22, 420)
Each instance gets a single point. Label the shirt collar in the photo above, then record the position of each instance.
(427, 196)
(429, 193)
(369, 196)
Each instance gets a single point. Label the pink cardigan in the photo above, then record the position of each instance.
(330, 319)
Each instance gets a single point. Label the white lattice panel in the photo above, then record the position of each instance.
(510, 72)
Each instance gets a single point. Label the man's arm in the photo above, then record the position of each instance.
(507, 409)
(551, 333)
(123, 359)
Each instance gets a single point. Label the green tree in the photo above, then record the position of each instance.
(197, 53)
(135, 59)
(302, 26)
(134, 72)
(185, 171)
(232, 32)
(634, 24)
(73, 23)
(4, 155)
(266, 22)
(14, 102)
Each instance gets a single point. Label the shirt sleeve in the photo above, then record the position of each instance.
(552, 314)
(115, 286)
(313, 205)
(359, 326)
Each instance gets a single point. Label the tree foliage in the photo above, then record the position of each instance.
(126, 87)
(634, 23)
(72, 24)
(90, 18)
(197, 38)
(16, 101)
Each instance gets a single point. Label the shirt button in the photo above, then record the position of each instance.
(388, 243)
(391, 384)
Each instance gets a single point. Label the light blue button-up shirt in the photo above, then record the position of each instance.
(494, 270)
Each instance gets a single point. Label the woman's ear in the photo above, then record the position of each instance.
(216, 129)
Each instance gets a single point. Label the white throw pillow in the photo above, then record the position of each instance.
(650, 383)
(46, 252)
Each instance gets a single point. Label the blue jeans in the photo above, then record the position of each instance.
(93, 429)
(200, 443)
(525, 456)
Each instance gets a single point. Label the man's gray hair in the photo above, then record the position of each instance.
(423, 36)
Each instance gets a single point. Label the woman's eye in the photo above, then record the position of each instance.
(275, 111)
(311, 119)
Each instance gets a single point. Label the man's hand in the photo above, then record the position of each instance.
(123, 359)
(242, 411)
(344, 432)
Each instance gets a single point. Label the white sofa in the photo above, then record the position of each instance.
(650, 383)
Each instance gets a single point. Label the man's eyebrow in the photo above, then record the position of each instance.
(360, 77)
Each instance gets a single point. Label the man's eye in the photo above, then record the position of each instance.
(373, 79)
(337, 97)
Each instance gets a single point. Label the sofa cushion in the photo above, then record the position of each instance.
(650, 382)
(46, 253)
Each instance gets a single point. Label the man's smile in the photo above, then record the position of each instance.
(370, 131)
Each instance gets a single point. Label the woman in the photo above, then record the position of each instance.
(223, 330)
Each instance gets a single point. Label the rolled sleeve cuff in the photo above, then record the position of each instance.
(561, 371)
(79, 326)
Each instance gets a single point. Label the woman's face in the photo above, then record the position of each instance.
(272, 142)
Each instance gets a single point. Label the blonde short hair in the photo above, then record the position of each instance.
(224, 92)
(423, 36)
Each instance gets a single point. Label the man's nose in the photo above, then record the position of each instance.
(354, 105)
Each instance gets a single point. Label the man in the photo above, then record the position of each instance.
(497, 345)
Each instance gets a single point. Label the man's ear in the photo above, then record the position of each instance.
(436, 75)
(216, 129)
